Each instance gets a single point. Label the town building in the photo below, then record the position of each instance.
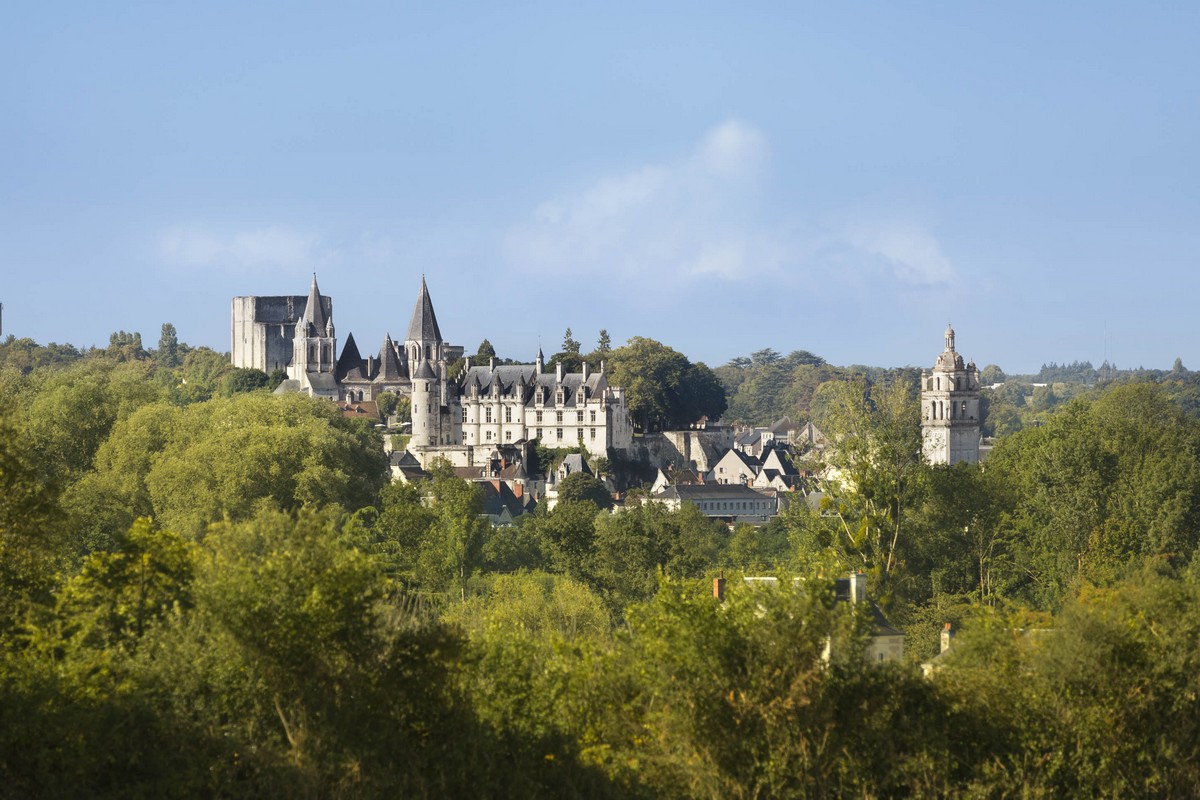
(727, 502)
(950, 408)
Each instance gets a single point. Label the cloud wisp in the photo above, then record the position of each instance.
(263, 249)
(691, 216)
(705, 214)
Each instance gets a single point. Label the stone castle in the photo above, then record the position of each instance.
(488, 412)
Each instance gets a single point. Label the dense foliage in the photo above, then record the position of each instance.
(209, 590)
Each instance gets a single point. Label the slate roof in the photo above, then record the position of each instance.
(314, 311)
(424, 325)
(390, 368)
(425, 372)
(512, 377)
(350, 362)
(710, 491)
(572, 463)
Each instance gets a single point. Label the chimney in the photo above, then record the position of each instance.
(858, 587)
(947, 637)
(492, 362)
(558, 372)
(585, 370)
(719, 588)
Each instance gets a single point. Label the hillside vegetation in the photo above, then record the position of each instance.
(210, 590)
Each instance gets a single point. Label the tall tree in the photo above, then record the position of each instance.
(168, 347)
(570, 344)
(878, 468)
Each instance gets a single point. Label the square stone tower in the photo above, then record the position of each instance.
(950, 408)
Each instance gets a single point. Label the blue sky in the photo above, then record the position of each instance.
(843, 178)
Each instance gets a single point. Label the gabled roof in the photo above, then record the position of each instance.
(773, 458)
(350, 362)
(572, 463)
(498, 498)
(424, 325)
(752, 466)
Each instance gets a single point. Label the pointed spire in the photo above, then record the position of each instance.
(424, 326)
(389, 363)
(314, 312)
(350, 360)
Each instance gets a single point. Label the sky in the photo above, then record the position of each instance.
(843, 178)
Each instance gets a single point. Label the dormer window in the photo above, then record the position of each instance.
(559, 397)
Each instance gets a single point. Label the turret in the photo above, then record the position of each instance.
(424, 339)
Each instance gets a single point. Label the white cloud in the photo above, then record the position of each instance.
(261, 249)
(912, 253)
(691, 216)
(733, 149)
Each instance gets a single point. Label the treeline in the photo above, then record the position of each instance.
(223, 596)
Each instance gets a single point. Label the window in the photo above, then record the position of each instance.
(508, 436)
(560, 433)
(593, 433)
(558, 417)
(488, 436)
(579, 417)
(539, 418)
(593, 416)
(539, 433)
(508, 413)
(488, 414)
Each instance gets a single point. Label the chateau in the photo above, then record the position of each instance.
(950, 408)
(488, 412)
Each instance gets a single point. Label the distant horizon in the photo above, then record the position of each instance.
(553, 345)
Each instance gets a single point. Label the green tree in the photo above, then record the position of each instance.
(32, 541)
(485, 352)
(570, 345)
(663, 389)
(126, 346)
(167, 354)
(227, 457)
(243, 380)
(876, 454)
(452, 547)
(581, 487)
(604, 344)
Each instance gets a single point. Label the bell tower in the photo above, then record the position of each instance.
(314, 348)
(950, 408)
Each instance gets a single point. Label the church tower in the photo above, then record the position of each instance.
(314, 349)
(950, 408)
(424, 340)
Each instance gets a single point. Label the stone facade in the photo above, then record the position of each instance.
(950, 408)
(263, 330)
